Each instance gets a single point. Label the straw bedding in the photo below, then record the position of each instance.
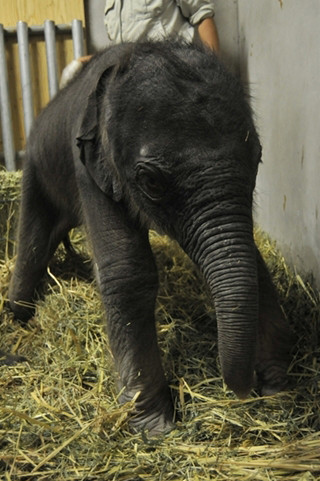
(59, 415)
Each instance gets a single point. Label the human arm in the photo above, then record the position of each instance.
(208, 33)
(200, 15)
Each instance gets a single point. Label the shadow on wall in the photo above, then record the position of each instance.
(95, 30)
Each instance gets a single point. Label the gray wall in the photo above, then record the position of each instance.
(275, 46)
(279, 47)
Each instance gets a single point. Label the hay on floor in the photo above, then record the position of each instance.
(59, 412)
(10, 183)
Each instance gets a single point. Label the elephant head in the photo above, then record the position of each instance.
(179, 149)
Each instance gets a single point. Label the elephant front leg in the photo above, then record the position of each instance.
(275, 338)
(128, 282)
(129, 287)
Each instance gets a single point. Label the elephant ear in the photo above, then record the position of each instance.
(97, 158)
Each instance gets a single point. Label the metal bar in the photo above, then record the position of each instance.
(38, 29)
(19, 157)
(5, 111)
(50, 39)
(25, 75)
(49, 29)
(77, 38)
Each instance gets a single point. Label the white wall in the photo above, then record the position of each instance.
(275, 45)
(279, 46)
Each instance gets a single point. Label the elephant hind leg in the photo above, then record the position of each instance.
(40, 232)
(275, 338)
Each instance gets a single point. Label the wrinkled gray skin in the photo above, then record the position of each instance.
(154, 135)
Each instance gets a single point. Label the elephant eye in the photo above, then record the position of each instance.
(151, 181)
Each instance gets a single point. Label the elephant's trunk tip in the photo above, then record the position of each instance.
(242, 393)
(241, 386)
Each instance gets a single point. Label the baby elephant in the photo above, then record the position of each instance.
(154, 135)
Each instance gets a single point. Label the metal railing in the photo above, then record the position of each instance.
(22, 32)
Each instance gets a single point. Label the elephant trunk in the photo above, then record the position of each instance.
(224, 251)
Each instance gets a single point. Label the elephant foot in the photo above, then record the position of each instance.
(272, 377)
(274, 347)
(7, 359)
(155, 424)
(152, 415)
